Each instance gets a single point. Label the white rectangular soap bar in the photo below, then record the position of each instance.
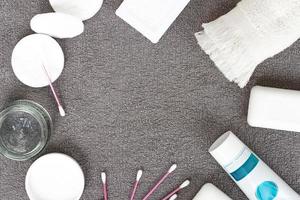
(274, 108)
(151, 17)
(210, 192)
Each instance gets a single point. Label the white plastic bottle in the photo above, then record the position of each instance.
(250, 173)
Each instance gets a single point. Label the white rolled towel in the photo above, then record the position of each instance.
(249, 34)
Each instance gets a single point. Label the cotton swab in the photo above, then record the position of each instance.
(172, 168)
(138, 177)
(103, 177)
(173, 197)
(183, 185)
(60, 108)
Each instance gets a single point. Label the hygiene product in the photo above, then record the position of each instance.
(210, 192)
(250, 173)
(274, 108)
(252, 32)
(151, 17)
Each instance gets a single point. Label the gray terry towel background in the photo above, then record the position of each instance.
(133, 104)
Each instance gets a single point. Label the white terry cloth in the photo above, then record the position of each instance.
(252, 32)
(151, 17)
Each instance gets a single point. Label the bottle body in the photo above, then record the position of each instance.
(250, 173)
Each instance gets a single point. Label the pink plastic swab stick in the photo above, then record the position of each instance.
(183, 185)
(172, 168)
(60, 108)
(138, 177)
(103, 177)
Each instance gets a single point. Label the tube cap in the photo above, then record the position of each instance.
(226, 148)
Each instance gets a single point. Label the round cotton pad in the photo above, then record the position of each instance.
(54, 176)
(84, 9)
(29, 56)
(57, 25)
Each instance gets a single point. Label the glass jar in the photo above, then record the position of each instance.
(25, 128)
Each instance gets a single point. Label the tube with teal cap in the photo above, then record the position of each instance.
(250, 173)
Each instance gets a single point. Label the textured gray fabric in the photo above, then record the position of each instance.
(133, 104)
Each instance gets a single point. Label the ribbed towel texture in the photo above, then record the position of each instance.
(249, 34)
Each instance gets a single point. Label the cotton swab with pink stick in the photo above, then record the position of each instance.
(172, 168)
(103, 177)
(138, 177)
(60, 108)
(173, 197)
(183, 185)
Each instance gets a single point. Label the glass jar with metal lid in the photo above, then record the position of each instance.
(25, 128)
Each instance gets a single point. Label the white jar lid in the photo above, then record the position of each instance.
(29, 56)
(226, 148)
(54, 176)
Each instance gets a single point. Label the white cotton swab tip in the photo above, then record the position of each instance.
(172, 168)
(61, 111)
(173, 197)
(103, 177)
(184, 184)
(139, 175)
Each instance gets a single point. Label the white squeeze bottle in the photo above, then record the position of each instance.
(249, 172)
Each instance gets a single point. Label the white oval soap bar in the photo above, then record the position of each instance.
(57, 25)
(29, 56)
(54, 176)
(83, 9)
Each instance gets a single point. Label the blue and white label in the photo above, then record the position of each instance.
(242, 165)
(246, 168)
(256, 179)
(267, 190)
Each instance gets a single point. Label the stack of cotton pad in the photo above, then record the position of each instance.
(57, 25)
(36, 51)
(66, 22)
(83, 9)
